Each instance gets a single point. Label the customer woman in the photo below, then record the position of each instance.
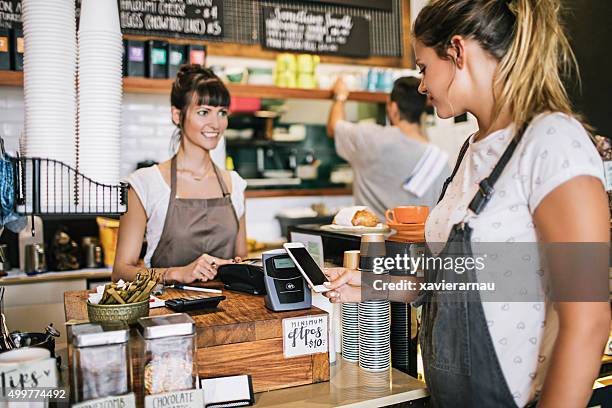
(530, 174)
(190, 211)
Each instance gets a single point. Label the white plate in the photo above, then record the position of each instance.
(355, 229)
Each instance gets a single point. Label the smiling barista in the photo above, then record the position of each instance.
(191, 212)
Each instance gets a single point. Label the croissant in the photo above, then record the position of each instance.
(356, 216)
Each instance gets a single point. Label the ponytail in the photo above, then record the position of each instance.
(527, 39)
(530, 76)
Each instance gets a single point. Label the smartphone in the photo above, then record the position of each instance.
(307, 266)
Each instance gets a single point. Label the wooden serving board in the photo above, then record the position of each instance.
(241, 337)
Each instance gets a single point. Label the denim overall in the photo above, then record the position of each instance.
(459, 359)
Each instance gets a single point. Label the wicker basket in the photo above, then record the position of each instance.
(129, 312)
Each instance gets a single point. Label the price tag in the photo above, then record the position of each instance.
(608, 174)
(122, 401)
(178, 399)
(303, 336)
(36, 374)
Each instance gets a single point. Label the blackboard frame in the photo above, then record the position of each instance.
(385, 5)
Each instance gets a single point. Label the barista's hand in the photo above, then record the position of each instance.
(202, 269)
(340, 89)
(344, 285)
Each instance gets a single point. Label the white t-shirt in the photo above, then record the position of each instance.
(154, 194)
(554, 149)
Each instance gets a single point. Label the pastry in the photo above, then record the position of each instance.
(356, 216)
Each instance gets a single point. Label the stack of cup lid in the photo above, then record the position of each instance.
(350, 316)
(374, 315)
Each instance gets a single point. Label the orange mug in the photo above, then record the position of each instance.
(407, 215)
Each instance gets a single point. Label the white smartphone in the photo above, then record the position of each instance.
(307, 266)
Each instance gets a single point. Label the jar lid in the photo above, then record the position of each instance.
(176, 324)
(89, 335)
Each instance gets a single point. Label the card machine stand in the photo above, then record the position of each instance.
(285, 285)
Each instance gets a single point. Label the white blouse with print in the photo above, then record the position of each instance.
(554, 149)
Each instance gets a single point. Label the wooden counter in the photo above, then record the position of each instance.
(242, 337)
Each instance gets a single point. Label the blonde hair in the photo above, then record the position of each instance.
(527, 38)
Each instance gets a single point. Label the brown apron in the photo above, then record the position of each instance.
(195, 226)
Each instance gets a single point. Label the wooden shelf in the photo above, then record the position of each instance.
(331, 191)
(147, 85)
(11, 78)
(162, 86)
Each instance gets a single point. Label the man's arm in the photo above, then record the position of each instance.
(336, 112)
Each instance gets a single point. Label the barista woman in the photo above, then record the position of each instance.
(529, 175)
(190, 211)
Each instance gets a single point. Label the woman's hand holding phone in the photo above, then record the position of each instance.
(344, 285)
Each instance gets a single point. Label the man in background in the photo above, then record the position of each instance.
(393, 165)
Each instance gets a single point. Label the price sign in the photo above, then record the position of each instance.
(303, 336)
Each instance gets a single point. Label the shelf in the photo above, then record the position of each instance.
(163, 86)
(330, 191)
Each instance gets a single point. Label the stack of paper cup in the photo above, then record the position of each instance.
(350, 317)
(374, 315)
(100, 51)
(49, 89)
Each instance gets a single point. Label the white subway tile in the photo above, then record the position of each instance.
(137, 130)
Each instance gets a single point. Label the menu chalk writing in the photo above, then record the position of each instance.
(178, 399)
(304, 336)
(315, 32)
(10, 14)
(122, 401)
(175, 18)
(37, 374)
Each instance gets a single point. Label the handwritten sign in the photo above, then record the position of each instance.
(315, 32)
(303, 336)
(122, 401)
(174, 18)
(179, 399)
(37, 374)
(10, 14)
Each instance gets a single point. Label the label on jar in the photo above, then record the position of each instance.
(608, 174)
(197, 57)
(177, 399)
(176, 58)
(158, 56)
(20, 45)
(3, 44)
(303, 336)
(136, 54)
(39, 374)
(122, 401)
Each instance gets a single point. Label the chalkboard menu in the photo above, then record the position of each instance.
(165, 18)
(315, 32)
(172, 18)
(10, 14)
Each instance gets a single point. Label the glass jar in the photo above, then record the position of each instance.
(169, 360)
(100, 361)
